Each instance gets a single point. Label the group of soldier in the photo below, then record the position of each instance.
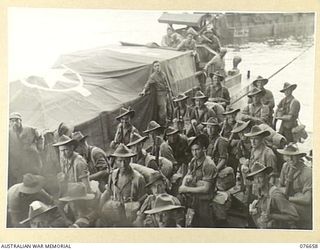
(203, 163)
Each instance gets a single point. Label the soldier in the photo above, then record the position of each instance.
(21, 195)
(125, 128)
(200, 113)
(25, 143)
(81, 206)
(126, 186)
(215, 92)
(96, 159)
(182, 111)
(187, 44)
(42, 215)
(296, 178)
(212, 40)
(165, 210)
(288, 111)
(272, 209)
(266, 95)
(256, 111)
(262, 154)
(74, 168)
(198, 185)
(171, 39)
(158, 80)
(145, 159)
(230, 121)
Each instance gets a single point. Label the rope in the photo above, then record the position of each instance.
(295, 58)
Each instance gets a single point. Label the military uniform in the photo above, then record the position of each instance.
(221, 92)
(125, 138)
(289, 106)
(260, 111)
(200, 115)
(202, 170)
(159, 81)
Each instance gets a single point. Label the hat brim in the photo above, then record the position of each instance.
(267, 170)
(263, 80)
(162, 209)
(241, 127)
(210, 124)
(152, 129)
(260, 133)
(28, 219)
(254, 94)
(173, 132)
(285, 152)
(181, 99)
(293, 87)
(127, 155)
(70, 198)
(130, 113)
(71, 141)
(142, 139)
(200, 97)
(31, 190)
(231, 112)
(202, 138)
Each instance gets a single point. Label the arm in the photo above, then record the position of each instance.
(303, 199)
(147, 86)
(282, 209)
(201, 189)
(39, 141)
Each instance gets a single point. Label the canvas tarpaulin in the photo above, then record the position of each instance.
(87, 88)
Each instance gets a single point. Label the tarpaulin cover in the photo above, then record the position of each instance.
(87, 88)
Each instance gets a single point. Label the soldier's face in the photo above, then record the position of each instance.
(164, 218)
(122, 163)
(215, 80)
(256, 141)
(82, 148)
(158, 187)
(189, 37)
(41, 221)
(212, 130)
(125, 120)
(230, 119)
(259, 85)
(199, 103)
(197, 151)
(169, 32)
(15, 123)
(66, 151)
(156, 67)
(288, 92)
(291, 159)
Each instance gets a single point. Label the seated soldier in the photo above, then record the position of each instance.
(166, 210)
(45, 216)
(296, 178)
(145, 159)
(182, 111)
(171, 39)
(125, 128)
(215, 92)
(200, 113)
(230, 121)
(198, 185)
(81, 207)
(96, 159)
(256, 111)
(272, 209)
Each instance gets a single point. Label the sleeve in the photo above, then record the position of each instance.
(226, 95)
(294, 108)
(149, 83)
(265, 113)
(117, 137)
(167, 152)
(307, 182)
(82, 169)
(223, 148)
(271, 161)
(280, 104)
(282, 179)
(180, 47)
(209, 171)
(283, 206)
(141, 187)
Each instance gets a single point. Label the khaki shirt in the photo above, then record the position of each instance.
(289, 106)
(75, 168)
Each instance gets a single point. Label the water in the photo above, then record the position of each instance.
(38, 36)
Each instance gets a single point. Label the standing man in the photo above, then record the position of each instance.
(74, 167)
(296, 178)
(288, 111)
(96, 159)
(215, 92)
(266, 95)
(125, 128)
(25, 143)
(126, 186)
(218, 63)
(198, 185)
(158, 80)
